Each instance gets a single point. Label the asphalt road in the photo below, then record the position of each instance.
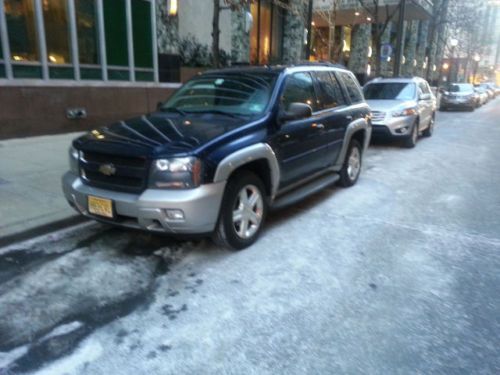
(399, 274)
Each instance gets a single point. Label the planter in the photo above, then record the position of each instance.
(187, 72)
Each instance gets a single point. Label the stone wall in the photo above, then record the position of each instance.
(293, 33)
(48, 105)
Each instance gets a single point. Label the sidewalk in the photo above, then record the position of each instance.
(30, 184)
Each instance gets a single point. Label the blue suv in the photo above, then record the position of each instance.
(225, 148)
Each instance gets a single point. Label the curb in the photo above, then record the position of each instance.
(41, 230)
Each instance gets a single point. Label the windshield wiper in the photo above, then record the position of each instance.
(219, 112)
(173, 109)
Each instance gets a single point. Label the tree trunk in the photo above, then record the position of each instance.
(215, 34)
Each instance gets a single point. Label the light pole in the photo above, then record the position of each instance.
(453, 45)
(476, 58)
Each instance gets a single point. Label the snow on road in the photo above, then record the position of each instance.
(398, 274)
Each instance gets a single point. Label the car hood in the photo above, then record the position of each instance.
(160, 134)
(390, 105)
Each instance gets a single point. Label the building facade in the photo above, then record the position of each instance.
(68, 65)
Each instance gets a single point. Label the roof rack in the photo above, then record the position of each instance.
(319, 63)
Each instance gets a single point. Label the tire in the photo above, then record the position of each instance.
(231, 233)
(430, 129)
(411, 140)
(351, 169)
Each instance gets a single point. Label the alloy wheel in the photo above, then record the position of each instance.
(248, 211)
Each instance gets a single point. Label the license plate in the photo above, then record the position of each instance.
(100, 206)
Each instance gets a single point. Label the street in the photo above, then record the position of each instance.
(396, 275)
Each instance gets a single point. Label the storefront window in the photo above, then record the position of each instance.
(115, 26)
(141, 26)
(55, 15)
(277, 34)
(267, 32)
(20, 15)
(86, 24)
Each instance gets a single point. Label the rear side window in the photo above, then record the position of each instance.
(330, 93)
(424, 88)
(299, 88)
(352, 87)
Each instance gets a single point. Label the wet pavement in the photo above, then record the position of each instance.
(398, 274)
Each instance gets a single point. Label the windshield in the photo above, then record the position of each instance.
(460, 87)
(390, 91)
(244, 93)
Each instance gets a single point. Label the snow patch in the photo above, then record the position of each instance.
(63, 329)
(7, 358)
(72, 364)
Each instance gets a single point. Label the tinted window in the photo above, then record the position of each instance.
(299, 88)
(390, 91)
(352, 87)
(424, 88)
(460, 87)
(241, 93)
(330, 92)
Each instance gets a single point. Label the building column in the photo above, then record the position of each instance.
(423, 30)
(385, 65)
(293, 32)
(240, 39)
(410, 48)
(167, 30)
(360, 39)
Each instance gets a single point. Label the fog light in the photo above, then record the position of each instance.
(175, 215)
(402, 130)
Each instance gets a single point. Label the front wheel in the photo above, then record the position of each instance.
(430, 129)
(411, 141)
(243, 210)
(351, 169)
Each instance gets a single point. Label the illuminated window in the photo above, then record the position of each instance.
(55, 15)
(267, 32)
(20, 15)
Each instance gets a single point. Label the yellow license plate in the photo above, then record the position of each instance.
(100, 206)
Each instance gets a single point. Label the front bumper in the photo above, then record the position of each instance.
(457, 103)
(147, 211)
(396, 127)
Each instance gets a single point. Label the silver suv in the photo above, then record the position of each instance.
(401, 108)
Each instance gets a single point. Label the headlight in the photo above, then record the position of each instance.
(405, 112)
(175, 173)
(73, 159)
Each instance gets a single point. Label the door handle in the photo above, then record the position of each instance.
(318, 126)
(349, 118)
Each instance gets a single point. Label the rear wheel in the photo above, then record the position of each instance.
(351, 169)
(243, 212)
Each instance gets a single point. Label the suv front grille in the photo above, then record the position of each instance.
(120, 173)
(378, 116)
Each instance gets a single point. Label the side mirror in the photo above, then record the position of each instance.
(296, 111)
(158, 105)
(441, 90)
(424, 97)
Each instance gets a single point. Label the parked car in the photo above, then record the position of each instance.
(484, 97)
(402, 108)
(226, 147)
(459, 96)
(490, 88)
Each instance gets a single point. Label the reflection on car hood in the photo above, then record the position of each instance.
(390, 105)
(159, 134)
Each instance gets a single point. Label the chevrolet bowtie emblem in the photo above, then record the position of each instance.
(107, 169)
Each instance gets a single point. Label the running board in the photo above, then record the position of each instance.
(304, 191)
